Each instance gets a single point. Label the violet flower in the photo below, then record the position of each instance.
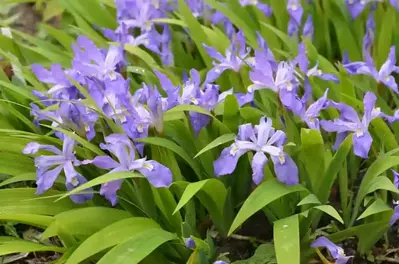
(395, 178)
(91, 61)
(369, 36)
(308, 29)
(190, 243)
(234, 60)
(350, 122)
(122, 148)
(303, 63)
(336, 252)
(395, 216)
(50, 167)
(356, 7)
(295, 10)
(310, 116)
(384, 75)
(395, 4)
(62, 88)
(266, 9)
(242, 98)
(262, 138)
(293, 28)
(220, 262)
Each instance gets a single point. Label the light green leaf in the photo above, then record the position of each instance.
(328, 209)
(378, 206)
(310, 199)
(84, 221)
(286, 240)
(110, 236)
(26, 246)
(102, 179)
(335, 166)
(41, 221)
(312, 155)
(143, 55)
(217, 142)
(136, 249)
(263, 195)
(163, 142)
(213, 200)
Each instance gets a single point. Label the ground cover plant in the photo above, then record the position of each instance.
(200, 131)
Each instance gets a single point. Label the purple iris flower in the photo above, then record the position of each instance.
(190, 243)
(91, 61)
(242, 98)
(336, 252)
(293, 28)
(368, 38)
(62, 88)
(140, 14)
(395, 216)
(308, 29)
(384, 75)
(122, 148)
(356, 7)
(50, 167)
(220, 262)
(295, 10)
(266, 9)
(303, 63)
(395, 178)
(393, 118)
(234, 60)
(350, 122)
(395, 4)
(262, 138)
(199, 8)
(310, 116)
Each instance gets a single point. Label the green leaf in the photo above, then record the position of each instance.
(26, 201)
(41, 221)
(136, 249)
(263, 195)
(52, 9)
(312, 155)
(26, 246)
(290, 43)
(213, 200)
(63, 38)
(103, 179)
(336, 164)
(163, 142)
(196, 32)
(385, 32)
(231, 114)
(378, 206)
(217, 142)
(84, 221)
(140, 53)
(286, 240)
(328, 209)
(264, 254)
(310, 199)
(110, 236)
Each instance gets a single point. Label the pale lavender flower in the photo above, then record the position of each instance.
(242, 98)
(369, 36)
(220, 262)
(262, 138)
(190, 243)
(266, 9)
(122, 148)
(310, 116)
(350, 122)
(91, 61)
(295, 10)
(293, 28)
(395, 216)
(48, 168)
(234, 58)
(395, 4)
(395, 178)
(356, 7)
(336, 252)
(308, 29)
(384, 75)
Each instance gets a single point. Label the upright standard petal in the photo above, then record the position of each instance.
(46, 178)
(395, 178)
(258, 163)
(395, 216)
